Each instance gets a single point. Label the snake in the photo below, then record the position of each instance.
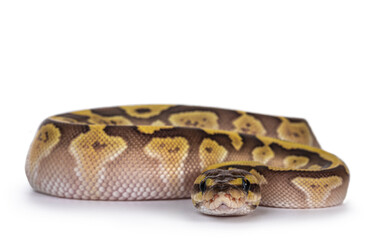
(227, 161)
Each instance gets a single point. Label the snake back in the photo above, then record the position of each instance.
(147, 152)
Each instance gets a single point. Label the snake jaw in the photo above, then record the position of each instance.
(228, 203)
(224, 199)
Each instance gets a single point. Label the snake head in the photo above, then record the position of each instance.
(223, 192)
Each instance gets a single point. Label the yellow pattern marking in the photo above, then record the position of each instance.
(211, 152)
(117, 120)
(291, 145)
(295, 162)
(249, 125)
(262, 154)
(236, 139)
(317, 190)
(294, 132)
(252, 179)
(199, 119)
(92, 150)
(252, 197)
(171, 152)
(83, 112)
(237, 181)
(199, 179)
(260, 178)
(151, 129)
(158, 123)
(103, 120)
(145, 111)
(210, 182)
(315, 167)
(45, 140)
(63, 119)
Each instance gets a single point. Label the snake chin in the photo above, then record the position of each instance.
(224, 204)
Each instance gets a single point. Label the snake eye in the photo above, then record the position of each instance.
(245, 184)
(202, 186)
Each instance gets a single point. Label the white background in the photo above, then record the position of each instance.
(321, 60)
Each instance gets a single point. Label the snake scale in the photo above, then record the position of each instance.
(232, 160)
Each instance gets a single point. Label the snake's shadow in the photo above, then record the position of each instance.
(181, 209)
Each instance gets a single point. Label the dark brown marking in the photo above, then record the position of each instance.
(43, 139)
(190, 123)
(97, 146)
(143, 110)
(174, 150)
(208, 149)
(245, 130)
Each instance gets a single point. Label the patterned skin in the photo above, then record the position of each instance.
(161, 151)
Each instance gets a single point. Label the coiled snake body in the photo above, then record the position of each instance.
(160, 151)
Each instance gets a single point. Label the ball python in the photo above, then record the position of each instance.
(232, 160)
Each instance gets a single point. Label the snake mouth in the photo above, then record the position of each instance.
(223, 203)
(226, 199)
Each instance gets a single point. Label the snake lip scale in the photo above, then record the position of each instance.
(228, 162)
